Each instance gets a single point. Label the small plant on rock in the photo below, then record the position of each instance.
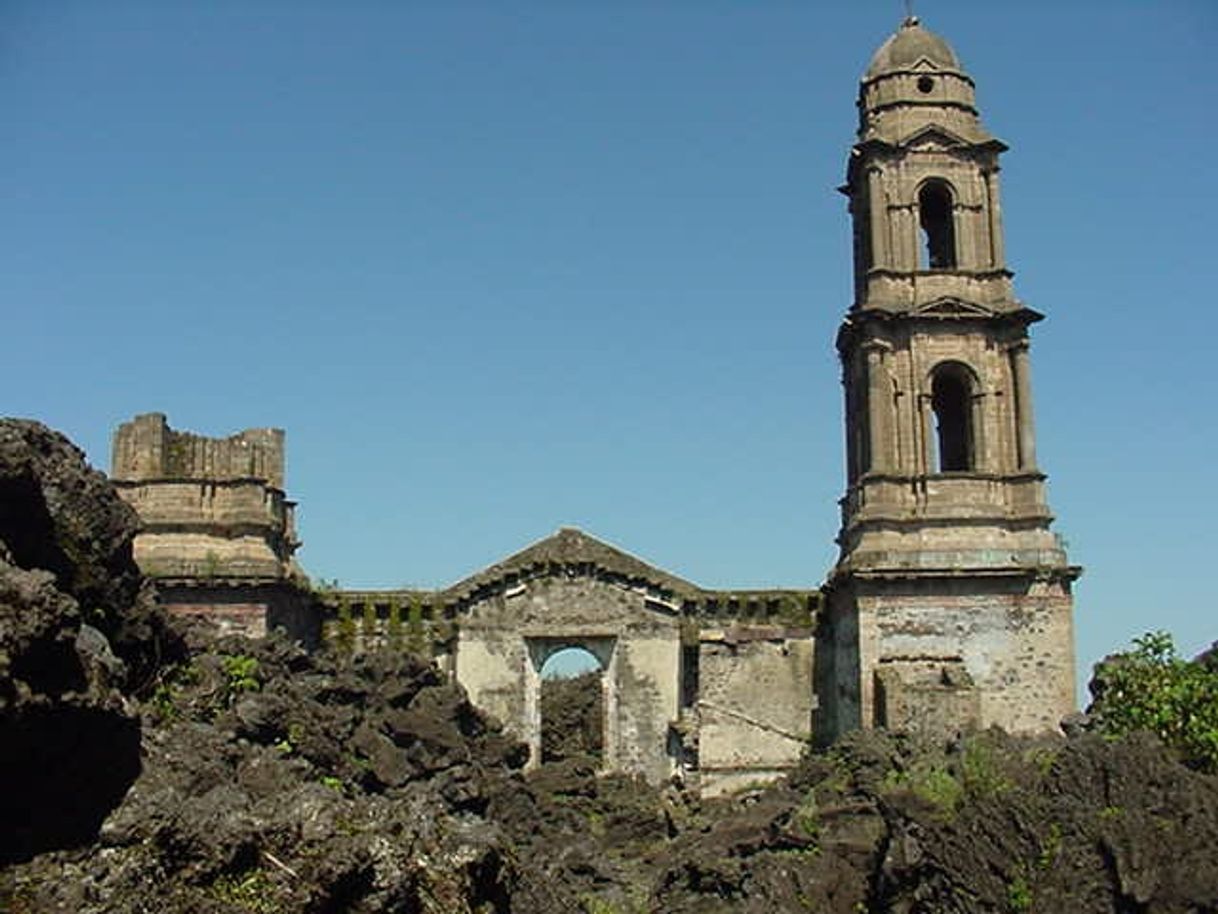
(242, 675)
(251, 890)
(980, 770)
(932, 783)
(1019, 894)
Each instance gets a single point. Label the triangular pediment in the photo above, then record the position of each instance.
(935, 136)
(949, 307)
(574, 553)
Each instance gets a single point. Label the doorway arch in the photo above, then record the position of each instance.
(572, 706)
(596, 651)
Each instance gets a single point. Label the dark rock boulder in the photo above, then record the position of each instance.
(275, 780)
(60, 515)
(77, 628)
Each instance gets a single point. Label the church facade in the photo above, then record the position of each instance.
(949, 607)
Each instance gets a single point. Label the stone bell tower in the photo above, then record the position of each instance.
(950, 605)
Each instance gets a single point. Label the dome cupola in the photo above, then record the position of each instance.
(915, 79)
(910, 47)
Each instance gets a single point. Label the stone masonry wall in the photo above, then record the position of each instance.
(147, 448)
(719, 688)
(999, 650)
(210, 508)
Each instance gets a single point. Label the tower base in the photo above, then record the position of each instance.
(940, 652)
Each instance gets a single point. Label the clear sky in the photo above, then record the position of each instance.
(501, 267)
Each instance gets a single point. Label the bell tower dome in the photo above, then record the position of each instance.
(950, 604)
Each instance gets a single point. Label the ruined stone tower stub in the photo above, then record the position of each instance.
(951, 599)
(218, 533)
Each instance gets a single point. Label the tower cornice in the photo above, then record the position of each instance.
(876, 144)
(861, 323)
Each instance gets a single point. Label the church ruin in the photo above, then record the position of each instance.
(949, 607)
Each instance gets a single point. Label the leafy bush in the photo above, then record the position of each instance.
(1151, 688)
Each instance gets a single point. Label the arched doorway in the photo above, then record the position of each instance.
(572, 677)
(572, 706)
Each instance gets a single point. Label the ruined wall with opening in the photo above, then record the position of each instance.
(713, 687)
(505, 639)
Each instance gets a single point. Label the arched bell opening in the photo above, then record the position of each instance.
(937, 220)
(952, 389)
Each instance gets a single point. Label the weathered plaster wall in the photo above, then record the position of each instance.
(749, 714)
(492, 667)
(647, 686)
(754, 705)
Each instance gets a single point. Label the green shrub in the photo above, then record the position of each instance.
(166, 699)
(981, 773)
(1050, 847)
(242, 675)
(1019, 893)
(807, 817)
(1151, 688)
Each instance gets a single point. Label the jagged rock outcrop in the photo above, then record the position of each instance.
(279, 781)
(77, 631)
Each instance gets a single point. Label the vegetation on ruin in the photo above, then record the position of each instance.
(1152, 688)
(345, 637)
(416, 635)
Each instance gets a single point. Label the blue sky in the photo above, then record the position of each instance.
(501, 267)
